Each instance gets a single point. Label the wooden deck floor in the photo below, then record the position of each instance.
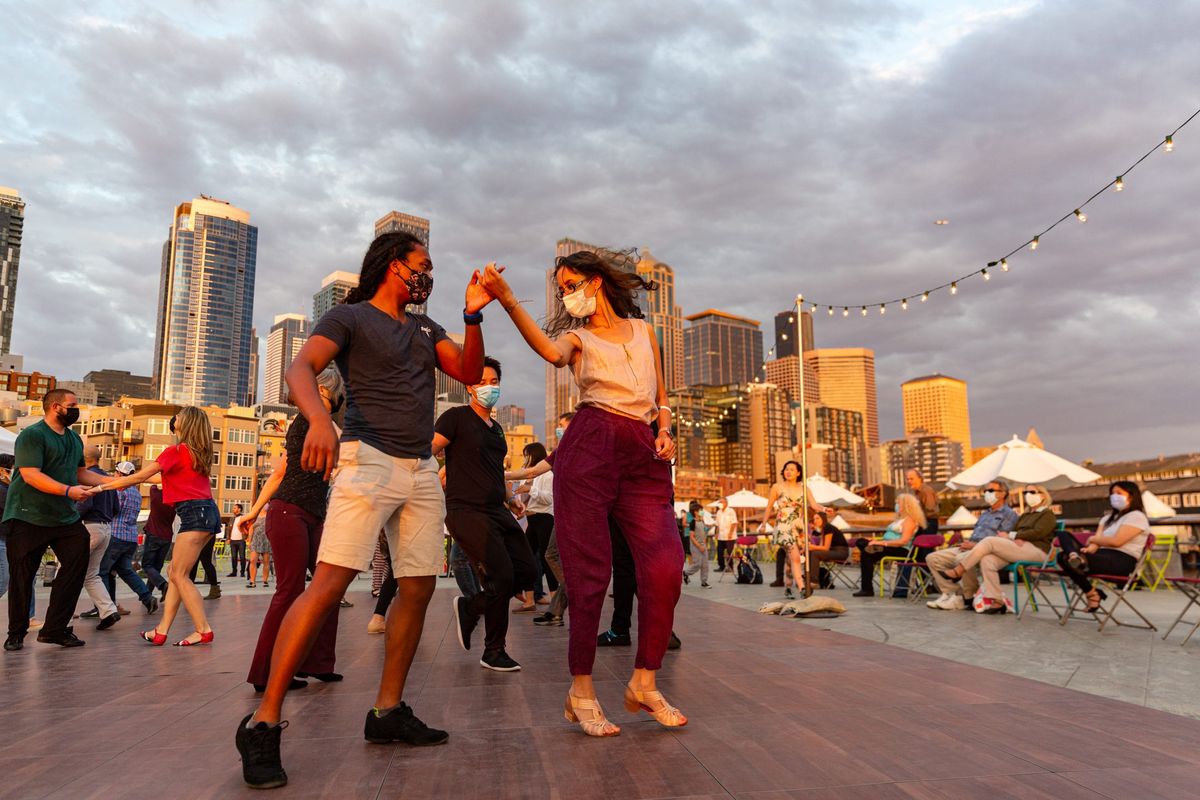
(778, 709)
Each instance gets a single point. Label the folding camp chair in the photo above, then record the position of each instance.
(1190, 587)
(844, 572)
(1120, 585)
(1034, 576)
(919, 576)
(1157, 563)
(886, 586)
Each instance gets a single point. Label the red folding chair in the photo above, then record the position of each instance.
(919, 576)
(1191, 590)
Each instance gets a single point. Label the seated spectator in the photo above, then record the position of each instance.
(959, 589)
(1116, 546)
(1029, 540)
(896, 541)
(828, 544)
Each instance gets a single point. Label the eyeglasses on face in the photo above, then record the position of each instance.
(570, 287)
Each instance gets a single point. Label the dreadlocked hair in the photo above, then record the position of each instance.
(619, 282)
(386, 248)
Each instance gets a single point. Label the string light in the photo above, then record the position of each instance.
(1080, 213)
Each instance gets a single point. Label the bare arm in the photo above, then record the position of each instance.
(47, 485)
(560, 352)
(907, 532)
(321, 443)
(440, 443)
(826, 543)
(665, 443)
(770, 514)
(1123, 536)
(268, 491)
(528, 473)
(142, 475)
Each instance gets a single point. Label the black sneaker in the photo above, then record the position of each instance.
(108, 622)
(65, 639)
(499, 661)
(401, 725)
(612, 639)
(15, 641)
(464, 621)
(674, 644)
(151, 603)
(259, 747)
(93, 614)
(548, 620)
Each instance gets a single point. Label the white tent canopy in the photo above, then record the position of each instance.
(1018, 462)
(828, 493)
(8, 440)
(1155, 508)
(746, 499)
(961, 517)
(839, 522)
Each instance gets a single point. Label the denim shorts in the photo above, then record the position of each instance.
(198, 515)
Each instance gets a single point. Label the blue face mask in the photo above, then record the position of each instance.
(487, 396)
(558, 433)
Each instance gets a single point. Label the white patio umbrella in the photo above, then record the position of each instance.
(8, 440)
(839, 522)
(1018, 462)
(1155, 508)
(828, 493)
(745, 500)
(961, 517)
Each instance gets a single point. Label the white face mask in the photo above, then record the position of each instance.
(1033, 499)
(989, 497)
(1118, 501)
(578, 304)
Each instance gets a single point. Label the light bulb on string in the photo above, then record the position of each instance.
(1168, 145)
(882, 309)
(1004, 265)
(864, 311)
(924, 297)
(1079, 215)
(1119, 184)
(985, 275)
(904, 304)
(954, 287)
(845, 311)
(831, 311)
(1033, 245)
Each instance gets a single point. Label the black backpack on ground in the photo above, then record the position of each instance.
(748, 571)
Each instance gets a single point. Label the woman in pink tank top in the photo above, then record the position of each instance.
(610, 463)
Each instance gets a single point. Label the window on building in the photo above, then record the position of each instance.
(158, 427)
(231, 459)
(216, 434)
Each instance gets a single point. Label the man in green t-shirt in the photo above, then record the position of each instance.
(40, 510)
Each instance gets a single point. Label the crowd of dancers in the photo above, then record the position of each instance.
(336, 490)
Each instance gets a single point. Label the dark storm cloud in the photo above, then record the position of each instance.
(756, 147)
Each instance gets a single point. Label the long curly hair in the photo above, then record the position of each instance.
(386, 248)
(193, 429)
(620, 283)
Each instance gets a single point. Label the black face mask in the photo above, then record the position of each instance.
(171, 424)
(335, 407)
(420, 286)
(69, 416)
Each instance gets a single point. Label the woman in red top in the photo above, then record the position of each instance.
(185, 468)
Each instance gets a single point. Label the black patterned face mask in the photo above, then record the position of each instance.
(420, 286)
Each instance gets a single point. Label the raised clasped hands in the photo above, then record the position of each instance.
(479, 293)
(494, 284)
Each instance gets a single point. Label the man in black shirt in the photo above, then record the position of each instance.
(479, 519)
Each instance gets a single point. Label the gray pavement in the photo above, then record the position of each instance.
(1121, 663)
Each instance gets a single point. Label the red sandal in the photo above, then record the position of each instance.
(154, 637)
(205, 638)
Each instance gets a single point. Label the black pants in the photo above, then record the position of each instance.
(500, 554)
(26, 545)
(538, 534)
(1105, 561)
(624, 581)
(817, 557)
(780, 561)
(868, 561)
(237, 557)
(206, 561)
(724, 549)
(154, 555)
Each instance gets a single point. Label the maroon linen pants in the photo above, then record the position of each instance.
(295, 537)
(605, 466)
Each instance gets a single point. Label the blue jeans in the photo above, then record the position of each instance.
(154, 555)
(119, 557)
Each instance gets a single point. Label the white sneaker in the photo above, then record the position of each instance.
(953, 602)
(943, 597)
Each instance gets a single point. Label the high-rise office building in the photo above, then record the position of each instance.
(721, 348)
(938, 457)
(205, 305)
(446, 389)
(846, 379)
(664, 316)
(113, 384)
(771, 430)
(785, 373)
(562, 395)
(334, 288)
(509, 416)
(841, 431)
(793, 333)
(405, 223)
(12, 226)
(252, 378)
(288, 334)
(938, 405)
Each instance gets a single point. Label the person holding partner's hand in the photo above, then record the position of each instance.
(185, 467)
(610, 461)
(386, 479)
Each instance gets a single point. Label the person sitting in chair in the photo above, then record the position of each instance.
(1116, 546)
(895, 543)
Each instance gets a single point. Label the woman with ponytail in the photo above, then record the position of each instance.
(185, 468)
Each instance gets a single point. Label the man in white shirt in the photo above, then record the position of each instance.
(237, 545)
(726, 533)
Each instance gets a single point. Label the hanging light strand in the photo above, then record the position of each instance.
(1165, 145)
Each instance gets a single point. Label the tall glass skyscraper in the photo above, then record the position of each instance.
(206, 305)
(334, 289)
(393, 222)
(12, 224)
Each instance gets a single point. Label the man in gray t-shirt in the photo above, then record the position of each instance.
(385, 480)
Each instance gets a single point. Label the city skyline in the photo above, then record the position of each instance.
(820, 174)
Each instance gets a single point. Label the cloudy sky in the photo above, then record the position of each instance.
(760, 148)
